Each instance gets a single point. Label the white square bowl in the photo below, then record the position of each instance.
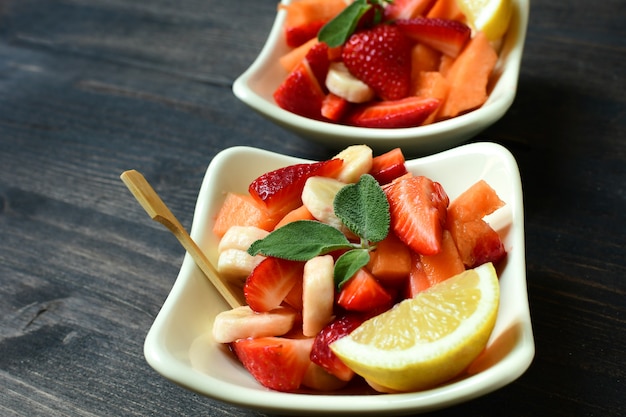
(179, 344)
(256, 86)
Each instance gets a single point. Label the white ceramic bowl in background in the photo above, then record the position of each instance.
(180, 347)
(257, 84)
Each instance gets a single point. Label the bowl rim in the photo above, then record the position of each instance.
(173, 363)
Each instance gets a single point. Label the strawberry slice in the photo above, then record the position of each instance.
(322, 355)
(318, 61)
(381, 58)
(406, 112)
(364, 293)
(388, 166)
(418, 208)
(275, 362)
(269, 283)
(445, 35)
(279, 191)
(407, 9)
(301, 93)
(300, 34)
(334, 107)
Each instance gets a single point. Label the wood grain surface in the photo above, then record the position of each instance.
(90, 88)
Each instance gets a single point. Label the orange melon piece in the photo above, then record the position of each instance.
(302, 12)
(432, 84)
(445, 264)
(418, 280)
(390, 263)
(241, 210)
(475, 239)
(477, 242)
(468, 76)
(446, 9)
(445, 64)
(424, 58)
(300, 213)
(296, 55)
(478, 201)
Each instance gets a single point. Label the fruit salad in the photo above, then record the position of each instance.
(384, 64)
(322, 249)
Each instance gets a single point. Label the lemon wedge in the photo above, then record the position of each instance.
(426, 340)
(491, 17)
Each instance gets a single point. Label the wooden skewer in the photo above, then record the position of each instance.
(158, 211)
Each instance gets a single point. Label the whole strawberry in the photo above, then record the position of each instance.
(381, 58)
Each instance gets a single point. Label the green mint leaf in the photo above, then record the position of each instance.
(337, 31)
(364, 209)
(300, 241)
(348, 264)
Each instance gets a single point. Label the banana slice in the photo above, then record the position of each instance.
(318, 196)
(357, 160)
(318, 294)
(240, 237)
(235, 265)
(242, 322)
(341, 82)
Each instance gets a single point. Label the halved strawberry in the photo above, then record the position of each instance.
(279, 191)
(318, 61)
(407, 9)
(406, 112)
(334, 107)
(269, 283)
(301, 93)
(298, 35)
(335, 330)
(418, 208)
(364, 293)
(294, 298)
(275, 362)
(445, 35)
(388, 166)
(381, 58)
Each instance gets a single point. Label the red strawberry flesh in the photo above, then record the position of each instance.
(445, 35)
(403, 113)
(275, 362)
(381, 58)
(298, 35)
(269, 283)
(388, 166)
(279, 191)
(301, 93)
(363, 293)
(406, 9)
(322, 355)
(418, 208)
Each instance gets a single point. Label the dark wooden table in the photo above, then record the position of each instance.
(90, 88)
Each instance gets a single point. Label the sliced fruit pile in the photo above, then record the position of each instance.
(321, 249)
(382, 64)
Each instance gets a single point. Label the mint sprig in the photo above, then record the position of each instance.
(300, 241)
(362, 207)
(337, 31)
